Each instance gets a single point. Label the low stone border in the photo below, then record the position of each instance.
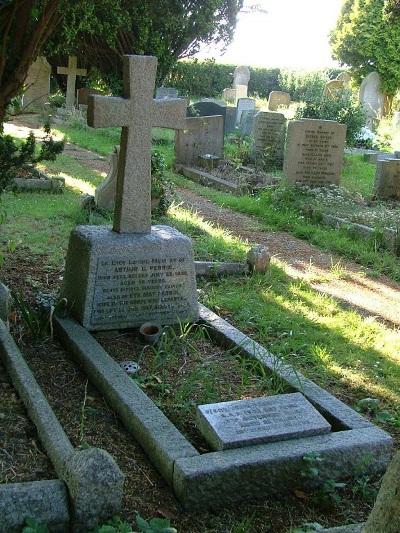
(53, 185)
(46, 502)
(217, 479)
(211, 269)
(94, 481)
(352, 528)
(204, 178)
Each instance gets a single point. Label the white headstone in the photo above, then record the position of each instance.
(241, 76)
(372, 97)
(71, 72)
(244, 104)
(37, 85)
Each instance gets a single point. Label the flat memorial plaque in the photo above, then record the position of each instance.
(242, 423)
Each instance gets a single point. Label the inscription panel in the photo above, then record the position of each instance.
(241, 423)
(314, 152)
(138, 289)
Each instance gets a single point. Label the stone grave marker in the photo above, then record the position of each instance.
(166, 92)
(134, 273)
(345, 78)
(200, 136)
(241, 76)
(241, 423)
(244, 104)
(229, 94)
(230, 119)
(82, 95)
(387, 179)
(278, 99)
(314, 152)
(333, 89)
(37, 85)
(372, 97)
(206, 108)
(105, 193)
(247, 121)
(268, 135)
(71, 72)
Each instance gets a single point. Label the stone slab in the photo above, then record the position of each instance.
(166, 92)
(241, 423)
(351, 528)
(247, 121)
(5, 302)
(223, 478)
(387, 179)
(118, 281)
(244, 104)
(268, 134)
(230, 119)
(201, 135)
(160, 439)
(209, 180)
(278, 99)
(241, 75)
(314, 152)
(46, 502)
(37, 85)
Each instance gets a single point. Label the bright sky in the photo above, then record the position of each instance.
(292, 34)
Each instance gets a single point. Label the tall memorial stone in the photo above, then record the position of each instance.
(269, 136)
(37, 85)
(72, 71)
(372, 97)
(200, 136)
(314, 152)
(241, 76)
(278, 99)
(387, 179)
(133, 273)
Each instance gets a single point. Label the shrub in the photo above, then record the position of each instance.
(160, 186)
(344, 109)
(303, 87)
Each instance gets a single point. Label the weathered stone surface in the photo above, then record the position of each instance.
(242, 423)
(352, 528)
(225, 477)
(105, 192)
(95, 485)
(278, 99)
(207, 108)
(115, 281)
(46, 502)
(137, 113)
(314, 152)
(230, 119)
(82, 95)
(166, 92)
(71, 72)
(268, 135)
(387, 179)
(372, 97)
(201, 135)
(244, 104)
(345, 78)
(240, 92)
(37, 85)
(229, 94)
(247, 122)
(241, 75)
(160, 439)
(5, 302)
(258, 258)
(333, 89)
(55, 185)
(209, 180)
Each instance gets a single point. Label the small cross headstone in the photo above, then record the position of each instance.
(71, 72)
(135, 273)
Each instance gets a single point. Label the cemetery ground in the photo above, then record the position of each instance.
(345, 350)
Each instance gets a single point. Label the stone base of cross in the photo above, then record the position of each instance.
(134, 273)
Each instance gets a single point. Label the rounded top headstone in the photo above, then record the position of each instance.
(371, 95)
(241, 76)
(344, 77)
(332, 88)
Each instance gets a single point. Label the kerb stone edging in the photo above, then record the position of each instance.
(207, 179)
(43, 501)
(94, 481)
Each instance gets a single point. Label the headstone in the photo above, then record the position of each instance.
(82, 95)
(71, 72)
(258, 259)
(229, 94)
(37, 85)
(105, 192)
(230, 119)
(241, 76)
(333, 88)
(166, 92)
(241, 92)
(372, 98)
(387, 179)
(206, 108)
(244, 104)
(269, 135)
(247, 122)
(314, 152)
(200, 136)
(135, 273)
(345, 78)
(241, 423)
(278, 99)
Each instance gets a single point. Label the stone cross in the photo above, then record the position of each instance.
(72, 72)
(137, 113)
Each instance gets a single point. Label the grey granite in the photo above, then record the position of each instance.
(46, 502)
(115, 281)
(201, 135)
(241, 423)
(244, 104)
(160, 439)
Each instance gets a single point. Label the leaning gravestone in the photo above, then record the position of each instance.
(387, 179)
(278, 99)
(372, 97)
(241, 423)
(37, 85)
(333, 88)
(105, 193)
(134, 273)
(241, 76)
(269, 135)
(314, 152)
(244, 104)
(71, 72)
(166, 92)
(200, 136)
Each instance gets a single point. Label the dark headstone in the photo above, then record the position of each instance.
(206, 108)
(83, 94)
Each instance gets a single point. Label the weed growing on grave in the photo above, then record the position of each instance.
(328, 493)
(34, 527)
(154, 525)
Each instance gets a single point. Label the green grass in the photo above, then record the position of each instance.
(358, 175)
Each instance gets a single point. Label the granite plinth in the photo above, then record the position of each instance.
(119, 281)
(242, 423)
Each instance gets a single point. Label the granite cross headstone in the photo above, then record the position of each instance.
(71, 72)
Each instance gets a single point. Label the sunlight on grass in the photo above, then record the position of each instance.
(77, 184)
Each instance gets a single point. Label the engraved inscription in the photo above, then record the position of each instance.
(129, 289)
